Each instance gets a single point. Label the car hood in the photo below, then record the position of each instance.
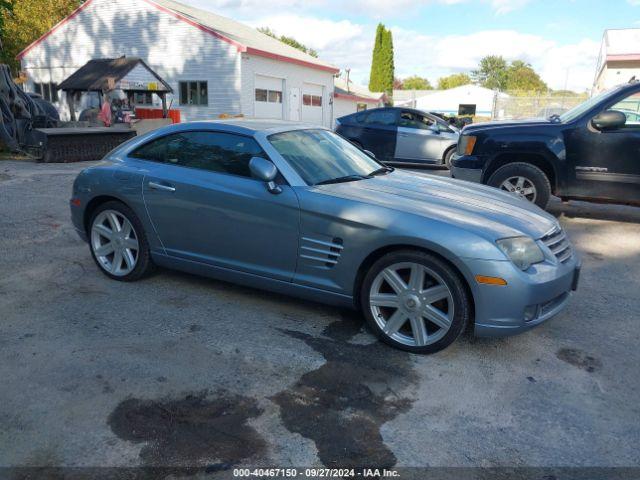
(484, 210)
(529, 122)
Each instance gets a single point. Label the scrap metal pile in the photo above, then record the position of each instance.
(21, 114)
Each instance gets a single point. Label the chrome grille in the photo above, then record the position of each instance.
(556, 241)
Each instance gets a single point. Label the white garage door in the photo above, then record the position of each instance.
(312, 103)
(268, 97)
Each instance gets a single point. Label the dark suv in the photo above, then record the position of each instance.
(591, 152)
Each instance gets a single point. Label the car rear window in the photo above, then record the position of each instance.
(381, 117)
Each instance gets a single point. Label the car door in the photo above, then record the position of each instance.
(419, 138)
(607, 162)
(205, 207)
(378, 133)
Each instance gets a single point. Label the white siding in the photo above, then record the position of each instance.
(294, 75)
(174, 49)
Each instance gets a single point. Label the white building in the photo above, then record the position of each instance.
(350, 98)
(619, 58)
(467, 100)
(215, 65)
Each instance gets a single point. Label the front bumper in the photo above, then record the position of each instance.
(77, 215)
(529, 298)
(467, 167)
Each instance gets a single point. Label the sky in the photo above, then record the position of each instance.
(433, 38)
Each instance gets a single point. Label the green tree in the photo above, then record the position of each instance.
(292, 42)
(522, 77)
(416, 83)
(491, 73)
(382, 65)
(24, 21)
(6, 8)
(454, 80)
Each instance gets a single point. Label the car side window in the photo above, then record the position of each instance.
(415, 120)
(212, 151)
(630, 106)
(381, 117)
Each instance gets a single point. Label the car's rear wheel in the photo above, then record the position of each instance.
(415, 301)
(525, 180)
(118, 243)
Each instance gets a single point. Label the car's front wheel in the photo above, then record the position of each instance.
(415, 301)
(525, 180)
(118, 243)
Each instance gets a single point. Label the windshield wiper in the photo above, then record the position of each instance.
(380, 170)
(346, 178)
(554, 118)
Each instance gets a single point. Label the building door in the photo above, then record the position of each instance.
(294, 104)
(268, 97)
(313, 103)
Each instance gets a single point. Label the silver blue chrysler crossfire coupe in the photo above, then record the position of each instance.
(301, 211)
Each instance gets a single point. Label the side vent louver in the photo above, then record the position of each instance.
(321, 253)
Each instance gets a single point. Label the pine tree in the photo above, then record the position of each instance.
(376, 61)
(382, 66)
(388, 64)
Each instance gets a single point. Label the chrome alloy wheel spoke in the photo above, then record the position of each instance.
(521, 186)
(405, 310)
(114, 243)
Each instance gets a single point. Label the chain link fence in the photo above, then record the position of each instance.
(515, 105)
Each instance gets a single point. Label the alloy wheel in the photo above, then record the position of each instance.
(114, 243)
(521, 186)
(411, 304)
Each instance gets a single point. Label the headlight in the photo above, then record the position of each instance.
(522, 251)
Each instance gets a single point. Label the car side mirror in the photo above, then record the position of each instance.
(609, 120)
(264, 170)
(370, 153)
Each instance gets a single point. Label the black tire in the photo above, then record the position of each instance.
(530, 172)
(144, 265)
(456, 285)
(446, 161)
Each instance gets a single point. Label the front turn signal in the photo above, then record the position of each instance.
(469, 144)
(490, 280)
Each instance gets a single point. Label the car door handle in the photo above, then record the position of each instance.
(403, 134)
(160, 186)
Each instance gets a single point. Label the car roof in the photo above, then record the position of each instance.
(244, 126)
(414, 110)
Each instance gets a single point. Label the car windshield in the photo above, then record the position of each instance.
(321, 156)
(578, 110)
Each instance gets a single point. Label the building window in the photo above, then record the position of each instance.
(467, 109)
(143, 98)
(271, 96)
(361, 107)
(194, 93)
(48, 91)
(312, 100)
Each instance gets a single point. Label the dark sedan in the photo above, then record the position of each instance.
(400, 135)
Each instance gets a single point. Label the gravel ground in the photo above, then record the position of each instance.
(179, 370)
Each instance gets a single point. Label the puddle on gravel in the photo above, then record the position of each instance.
(198, 430)
(579, 359)
(342, 405)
